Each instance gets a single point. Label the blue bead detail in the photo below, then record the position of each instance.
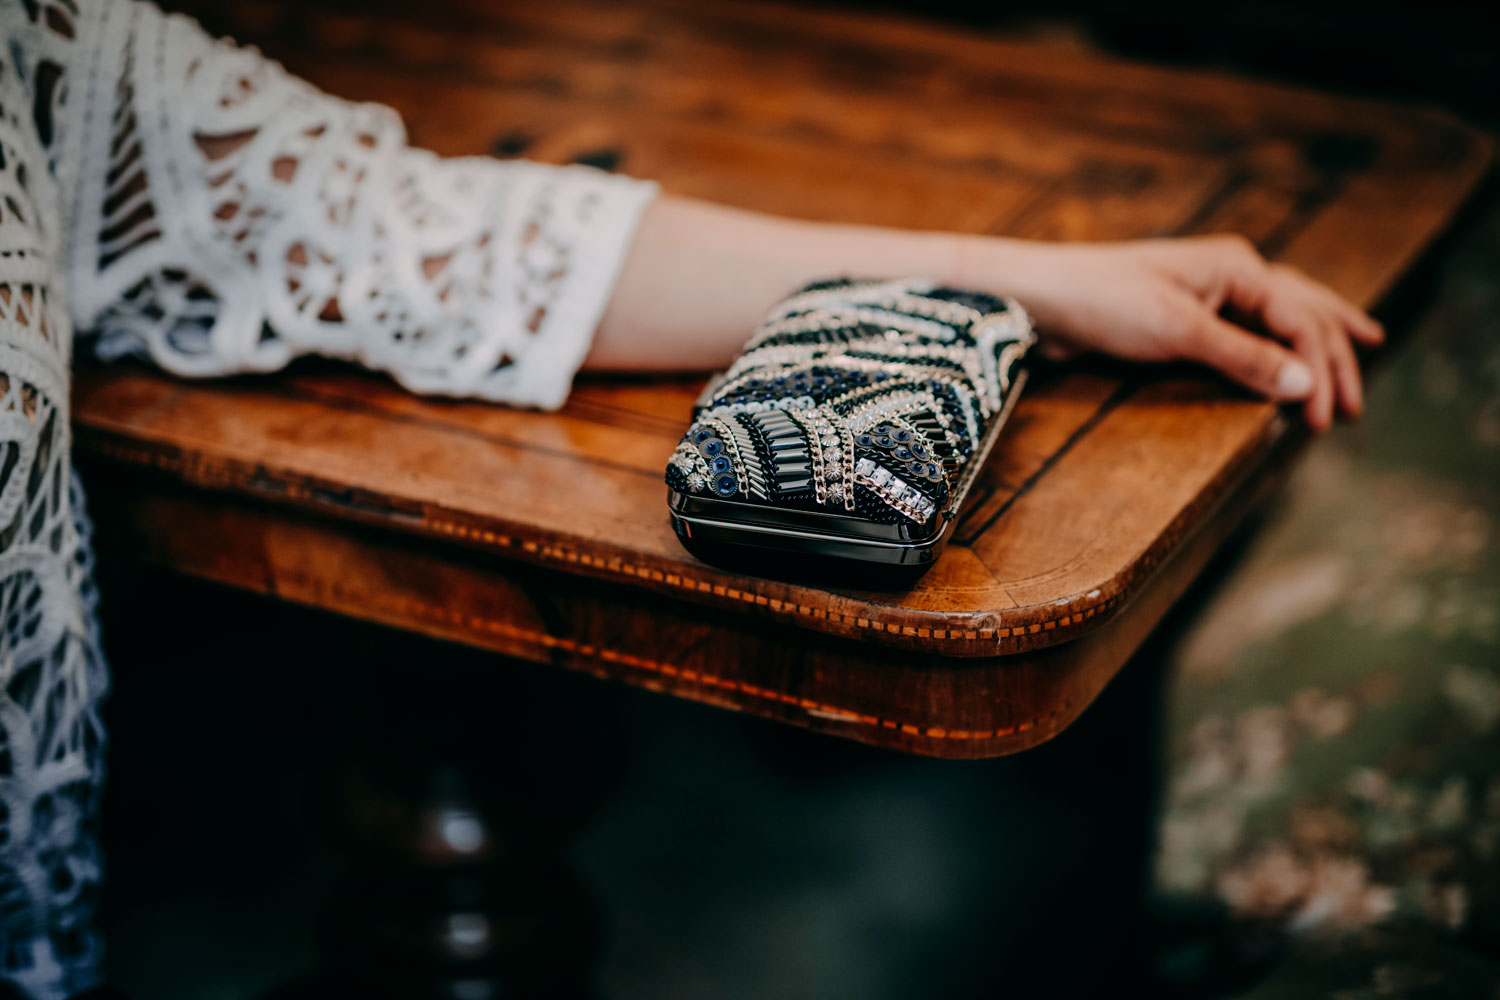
(903, 453)
(884, 441)
(711, 447)
(919, 450)
(701, 435)
(901, 434)
(720, 463)
(726, 485)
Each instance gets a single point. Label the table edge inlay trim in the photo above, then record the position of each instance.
(227, 473)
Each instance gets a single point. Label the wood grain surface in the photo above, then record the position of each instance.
(1106, 494)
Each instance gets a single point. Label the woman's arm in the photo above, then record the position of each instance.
(225, 216)
(699, 277)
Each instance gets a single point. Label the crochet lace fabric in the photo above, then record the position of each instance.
(176, 198)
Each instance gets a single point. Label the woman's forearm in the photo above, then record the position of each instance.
(701, 276)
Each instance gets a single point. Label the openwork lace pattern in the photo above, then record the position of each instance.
(175, 198)
(51, 673)
(231, 216)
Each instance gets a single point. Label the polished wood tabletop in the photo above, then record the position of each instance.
(545, 535)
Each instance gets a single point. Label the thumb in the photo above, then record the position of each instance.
(1254, 362)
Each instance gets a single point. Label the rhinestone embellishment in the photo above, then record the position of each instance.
(869, 396)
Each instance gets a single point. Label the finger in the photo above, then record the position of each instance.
(1345, 366)
(1254, 362)
(1319, 406)
(1290, 313)
(1360, 325)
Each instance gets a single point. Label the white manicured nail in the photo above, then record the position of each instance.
(1294, 381)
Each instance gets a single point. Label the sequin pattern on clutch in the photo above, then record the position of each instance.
(866, 398)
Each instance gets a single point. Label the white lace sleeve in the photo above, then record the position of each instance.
(226, 216)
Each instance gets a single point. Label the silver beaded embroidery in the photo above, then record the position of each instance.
(915, 371)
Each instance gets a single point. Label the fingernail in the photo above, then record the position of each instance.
(1294, 381)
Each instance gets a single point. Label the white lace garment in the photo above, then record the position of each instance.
(176, 198)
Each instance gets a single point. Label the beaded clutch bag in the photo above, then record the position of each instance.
(851, 427)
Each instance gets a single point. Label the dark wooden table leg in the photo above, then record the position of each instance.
(454, 822)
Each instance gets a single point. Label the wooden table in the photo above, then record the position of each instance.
(545, 536)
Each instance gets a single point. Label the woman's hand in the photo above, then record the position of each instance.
(1194, 299)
